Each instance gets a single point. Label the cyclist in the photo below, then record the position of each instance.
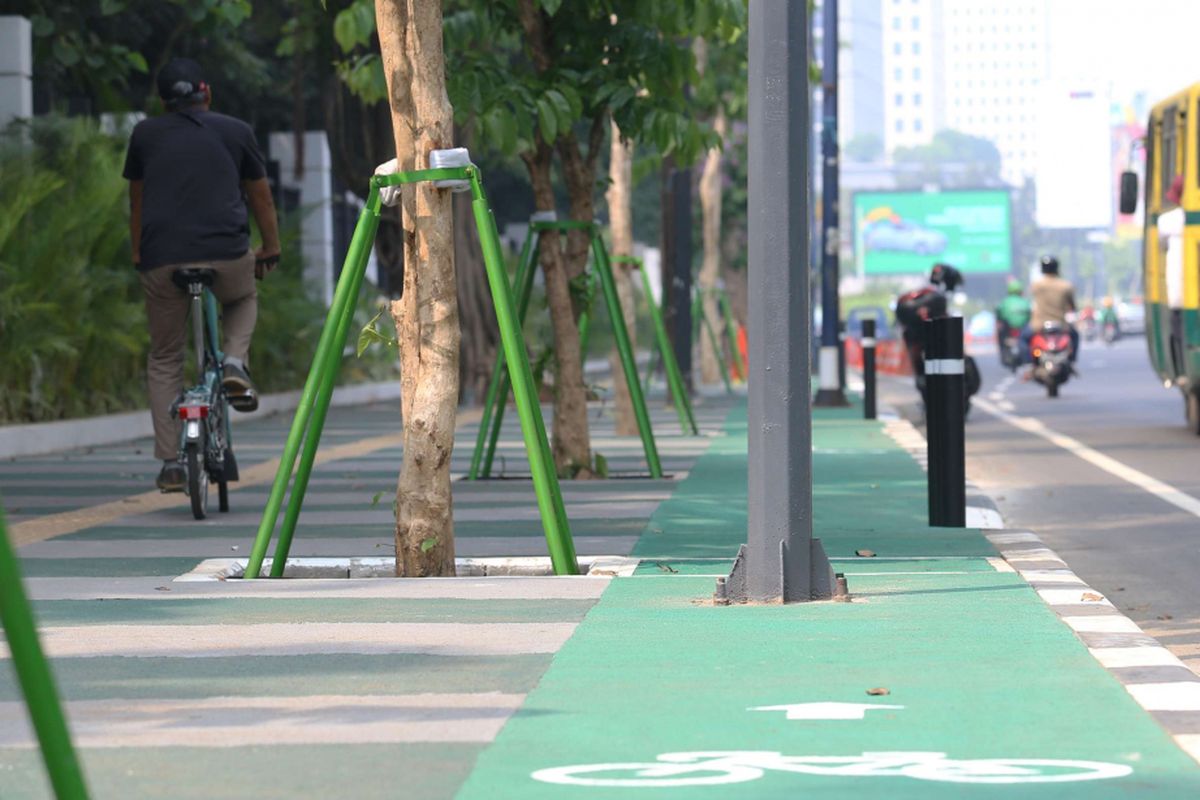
(1012, 315)
(192, 173)
(1053, 301)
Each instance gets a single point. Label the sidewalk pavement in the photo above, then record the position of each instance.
(949, 675)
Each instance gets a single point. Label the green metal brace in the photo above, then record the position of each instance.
(486, 440)
(679, 396)
(318, 388)
(36, 679)
(701, 319)
(730, 336)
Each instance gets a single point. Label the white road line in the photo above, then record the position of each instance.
(1154, 486)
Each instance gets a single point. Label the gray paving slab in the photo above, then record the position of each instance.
(159, 587)
(242, 722)
(307, 638)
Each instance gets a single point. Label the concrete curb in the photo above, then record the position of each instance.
(42, 438)
(1160, 683)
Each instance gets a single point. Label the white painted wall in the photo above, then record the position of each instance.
(316, 198)
(16, 69)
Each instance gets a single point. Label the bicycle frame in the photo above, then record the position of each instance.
(206, 393)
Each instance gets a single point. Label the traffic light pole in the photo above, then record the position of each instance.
(832, 391)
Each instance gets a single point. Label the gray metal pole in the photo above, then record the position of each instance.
(832, 378)
(780, 561)
(680, 271)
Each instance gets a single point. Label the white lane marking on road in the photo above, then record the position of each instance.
(1154, 486)
(984, 518)
(1174, 696)
(1109, 623)
(1117, 657)
(825, 710)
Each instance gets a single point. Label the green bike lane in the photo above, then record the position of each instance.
(975, 664)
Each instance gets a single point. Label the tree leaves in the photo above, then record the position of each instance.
(354, 26)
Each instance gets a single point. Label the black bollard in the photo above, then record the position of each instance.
(868, 357)
(945, 422)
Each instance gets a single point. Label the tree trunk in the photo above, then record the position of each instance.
(710, 266)
(570, 442)
(620, 216)
(426, 315)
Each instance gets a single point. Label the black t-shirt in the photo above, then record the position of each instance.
(192, 164)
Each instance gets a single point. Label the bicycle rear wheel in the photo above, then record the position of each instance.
(197, 480)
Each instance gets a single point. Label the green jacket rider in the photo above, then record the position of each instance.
(1015, 310)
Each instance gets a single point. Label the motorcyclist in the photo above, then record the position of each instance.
(1053, 301)
(915, 308)
(1012, 315)
(1109, 316)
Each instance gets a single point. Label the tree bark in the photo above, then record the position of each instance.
(570, 441)
(620, 220)
(710, 265)
(426, 315)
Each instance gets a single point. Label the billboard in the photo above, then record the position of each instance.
(905, 233)
(1075, 158)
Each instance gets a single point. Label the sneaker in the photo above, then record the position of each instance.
(240, 389)
(172, 477)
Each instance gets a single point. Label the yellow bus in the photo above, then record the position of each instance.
(1171, 244)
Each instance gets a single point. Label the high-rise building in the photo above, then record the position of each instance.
(913, 74)
(860, 99)
(995, 63)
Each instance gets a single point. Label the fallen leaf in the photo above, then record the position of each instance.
(1092, 597)
(878, 691)
(1165, 616)
(665, 567)
(865, 553)
(162, 588)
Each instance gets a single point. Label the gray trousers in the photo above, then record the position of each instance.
(167, 314)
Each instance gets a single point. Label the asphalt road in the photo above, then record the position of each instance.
(1094, 473)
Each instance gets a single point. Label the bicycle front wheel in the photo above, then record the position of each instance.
(197, 480)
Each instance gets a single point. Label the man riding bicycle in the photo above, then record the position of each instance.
(192, 173)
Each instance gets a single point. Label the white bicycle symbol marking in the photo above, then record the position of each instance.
(737, 766)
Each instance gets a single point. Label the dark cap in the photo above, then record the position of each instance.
(181, 81)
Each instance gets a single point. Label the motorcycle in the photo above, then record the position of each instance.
(1111, 334)
(913, 309)
(1051, 351)
(1010, 349)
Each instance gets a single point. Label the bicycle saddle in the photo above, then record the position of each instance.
(187, 276)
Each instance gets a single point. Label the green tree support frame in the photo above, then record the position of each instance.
(498, 387)
(36, 679)
(699, 318)
(679, 395)
(318, 388)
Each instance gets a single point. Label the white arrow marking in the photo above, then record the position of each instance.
(825, 710)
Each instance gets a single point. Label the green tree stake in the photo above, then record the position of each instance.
(36, 679)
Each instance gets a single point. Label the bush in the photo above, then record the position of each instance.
(73, 333)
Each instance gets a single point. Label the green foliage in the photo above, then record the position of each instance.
(628, 58)
(952, 159)
(71, 318)
(864, 147)
(100, 48)
(371, 334)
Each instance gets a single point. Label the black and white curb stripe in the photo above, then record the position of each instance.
(1160, 683)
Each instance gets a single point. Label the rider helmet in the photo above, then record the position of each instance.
(1049, 265)
(1015, 287)
(945, 276)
